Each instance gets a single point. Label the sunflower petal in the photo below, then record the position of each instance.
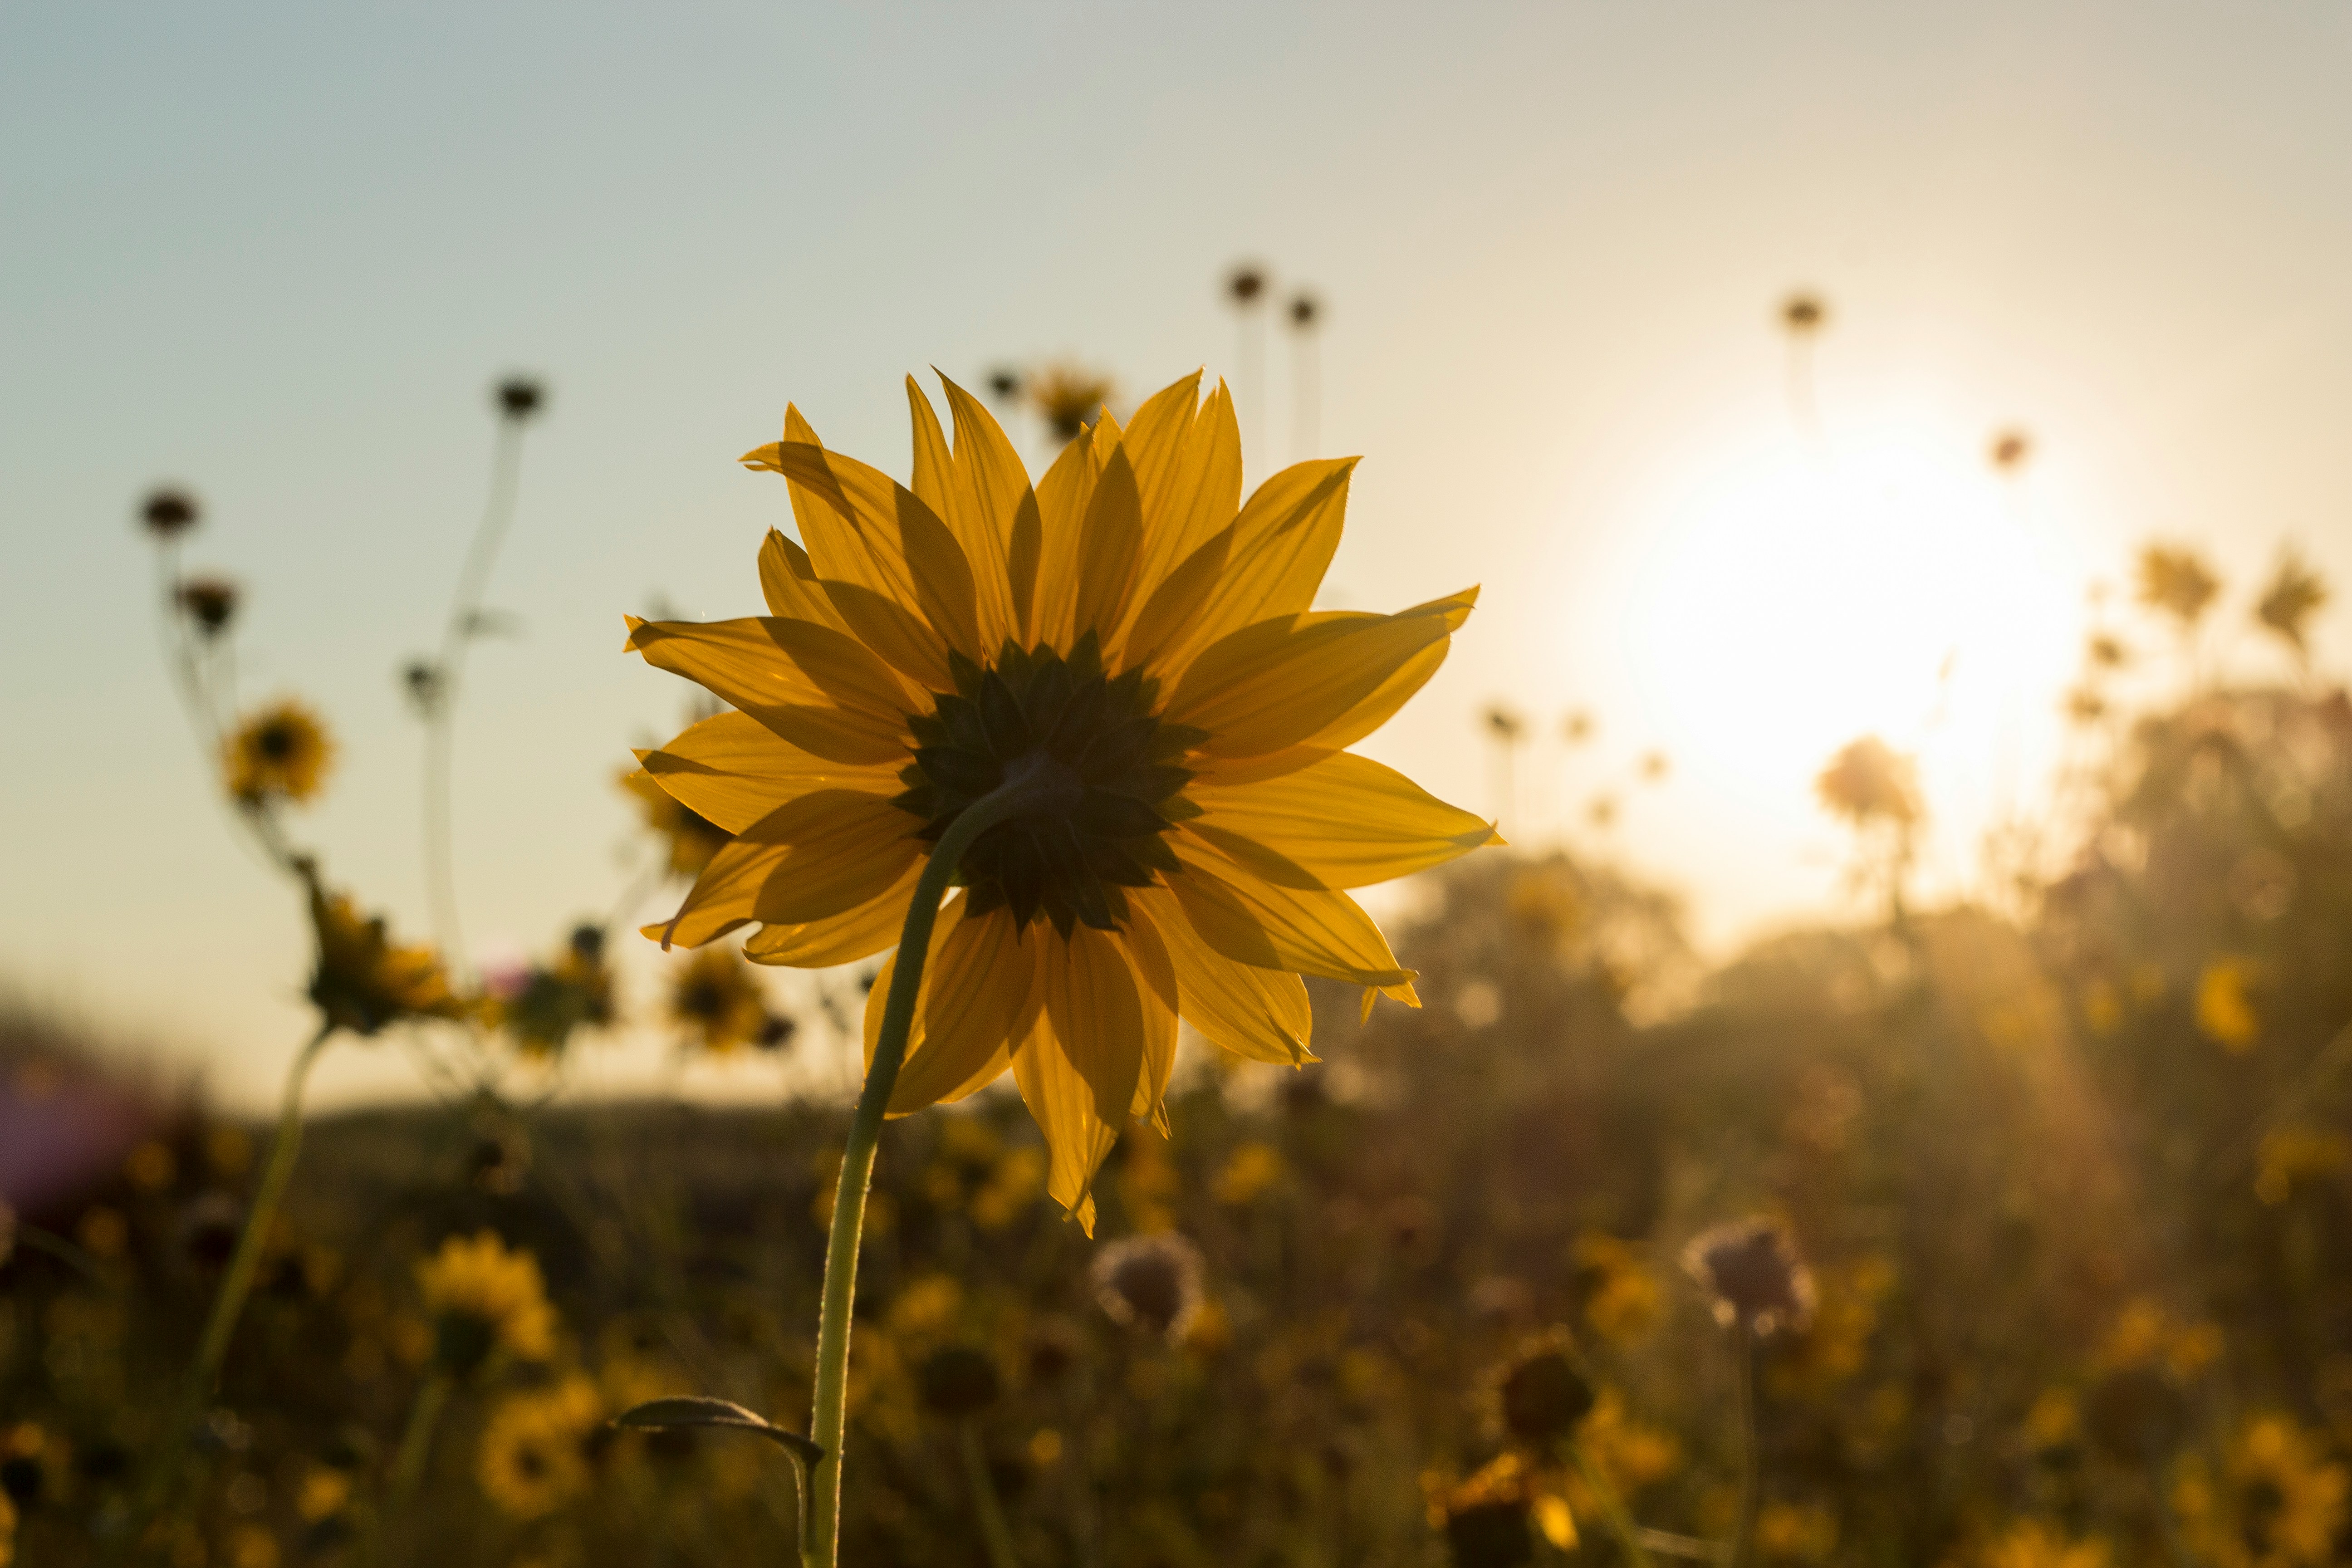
(1062, 496)
(1113, 533)
(1280, 683)
(843, 848)
(1076, 1135)
(906, 642)
(978, 996)
(845, 938)
(1282, 543)
(724, 897)
(869, 531)
(1345, 730)
(1253, 921)
(990, 482)
(810, 684)
(1343, 821)
(1096, 1008)
(1159, 995)
(1261, 1014)
(788, 581)
(731, 770)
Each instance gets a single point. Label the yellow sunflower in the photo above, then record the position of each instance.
(715, 1000)
(279, 753)
(483, 1298)
(533, 1459)
(1118, 667)
(362, 981)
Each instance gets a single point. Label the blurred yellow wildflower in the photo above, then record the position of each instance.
(2145, 1335)
(1623, 1299)
(715, 1000)
(1015, 1183)
(151, 1166)
(2032, 1544)
(483, 1298)
(2277, 1503)
(1070, 396)
(1253, 1169)
(1133, 646)
(1630, 1455)
(362, 983)
(279, 753)
(1486, 1518)
(1869, 782)
(2054, 1421)
(2225, 1013)
(252, 1546)
(690, 838)
(1789, 1533)
(325, 1491)
(532, 1459)
(2176, 581)
(2295, 594)
(2292, 1155)
(555, 1000)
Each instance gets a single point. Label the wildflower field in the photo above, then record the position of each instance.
(2010, 1233)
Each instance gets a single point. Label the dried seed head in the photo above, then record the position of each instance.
(1752, 1269)
(168, 512)
(1149, 1282)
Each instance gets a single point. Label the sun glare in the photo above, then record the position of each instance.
(1795, 597)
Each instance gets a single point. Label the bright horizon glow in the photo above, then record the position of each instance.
(1794, 595)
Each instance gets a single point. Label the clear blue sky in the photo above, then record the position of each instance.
(278, 252)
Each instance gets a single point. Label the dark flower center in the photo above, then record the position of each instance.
(1041, 714)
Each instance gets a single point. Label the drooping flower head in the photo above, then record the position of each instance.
(364, 982)
(1138, 644)
(209, 602)
(280, 754)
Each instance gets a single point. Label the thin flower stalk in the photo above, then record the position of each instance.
(237, 1285)
(995, 1534)
(1027, 790)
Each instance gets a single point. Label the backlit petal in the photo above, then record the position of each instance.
(843, 848)
(810, 684)
(788, 581)
(1253, 922)
(1261, 1014)
(1273, 561)
(1343, 821)
(990, 483)
(731, 770)
(1106, 553)
(1078, 1137)
(723, 898)
(867, 530)
(1158, 993)
(978, 996)
(1279, 684)
(1097, 1007)
(845, 938)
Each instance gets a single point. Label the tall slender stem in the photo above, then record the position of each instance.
(1743, 1352)
(1023, 789)
(228, 1305)
(465, 612)
(416, 1441)
(993, 1532)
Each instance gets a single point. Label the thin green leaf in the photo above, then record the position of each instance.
(658, 1414)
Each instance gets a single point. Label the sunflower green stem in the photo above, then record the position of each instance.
(237, 1285)
(1034, 782)
(417, 1442)
(1743, 1350)
(1621, 1524)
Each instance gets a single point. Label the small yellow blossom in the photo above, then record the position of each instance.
(362, 982)
(2225, 1015)
(715, 1000)
(2295, 1154)
(482, 1298)
(280, 754)
(2032, 1544)
(532, 1459)
(1790, 1533)
(1251, 1171)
